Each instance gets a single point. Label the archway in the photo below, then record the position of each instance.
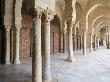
(55, 35)
(26, 30)
(102, 27)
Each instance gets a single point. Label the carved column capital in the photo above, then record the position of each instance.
(37, 13)
(18, 27)
(49, 15)
(7, 28)
(65, 27)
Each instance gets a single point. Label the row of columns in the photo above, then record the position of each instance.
(41, 60)
(8, 48)
(96, 42)
(12, 20)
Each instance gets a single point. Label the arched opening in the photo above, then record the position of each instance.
(103, 37)
(55, 35)
(26, 30)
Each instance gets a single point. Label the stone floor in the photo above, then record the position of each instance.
(93, 67)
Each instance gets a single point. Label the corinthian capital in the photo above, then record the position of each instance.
(7, 28)
(37, 13)
(49, 15)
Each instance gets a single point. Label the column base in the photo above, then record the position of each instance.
(84, 53)
(91, 50)
(48, 80)
(17, 62)
(7, 63)
(70, 59)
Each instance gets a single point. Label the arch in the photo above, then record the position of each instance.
(96, 20)
(55, 31)
(102, 37)
(90, 11)
(102, 23)
(26, 30)
(99, 19)
(98, 12)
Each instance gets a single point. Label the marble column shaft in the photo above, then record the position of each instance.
(7, 59)
(46, 52)
(84, 43)
(91, 46)
(98, 42)
(70, 57)
(17, 55)
(108, 38)
(37, 58)
(75, 42)
(64, 42)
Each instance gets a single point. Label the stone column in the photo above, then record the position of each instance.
(7, 58)
(17, 55)
(64, 42)
(70, 43)
(75, 42)
(91, 46)
(46, 52)
(37, 58)
(108, 38)
(95, 42)
(81, 42)
(108, 42)
(98, 42)
(84, 43)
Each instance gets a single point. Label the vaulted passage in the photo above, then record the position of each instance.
(55, 35)
(54, 40)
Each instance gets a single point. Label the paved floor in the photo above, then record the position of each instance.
(93, 67)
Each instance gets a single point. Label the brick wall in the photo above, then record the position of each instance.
(55, 39)
(26, 37)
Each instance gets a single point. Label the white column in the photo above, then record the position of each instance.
(64, 42)
(75, 42)
(81, 42)
(91, 46)
(84, 43)
(37, 58)
(70, 44)
(108, 38)
(46, 52)
(17, 55)
(7, 58)
(108, 41)
(98, 42)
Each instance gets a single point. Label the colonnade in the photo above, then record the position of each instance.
(41, 70)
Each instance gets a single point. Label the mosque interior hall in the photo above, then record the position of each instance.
(54, 40)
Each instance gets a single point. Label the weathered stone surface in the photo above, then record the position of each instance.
(44, 4)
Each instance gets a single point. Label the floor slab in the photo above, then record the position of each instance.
(93, 67)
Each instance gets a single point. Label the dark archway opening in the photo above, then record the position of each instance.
(55, 35)
(26, 31)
